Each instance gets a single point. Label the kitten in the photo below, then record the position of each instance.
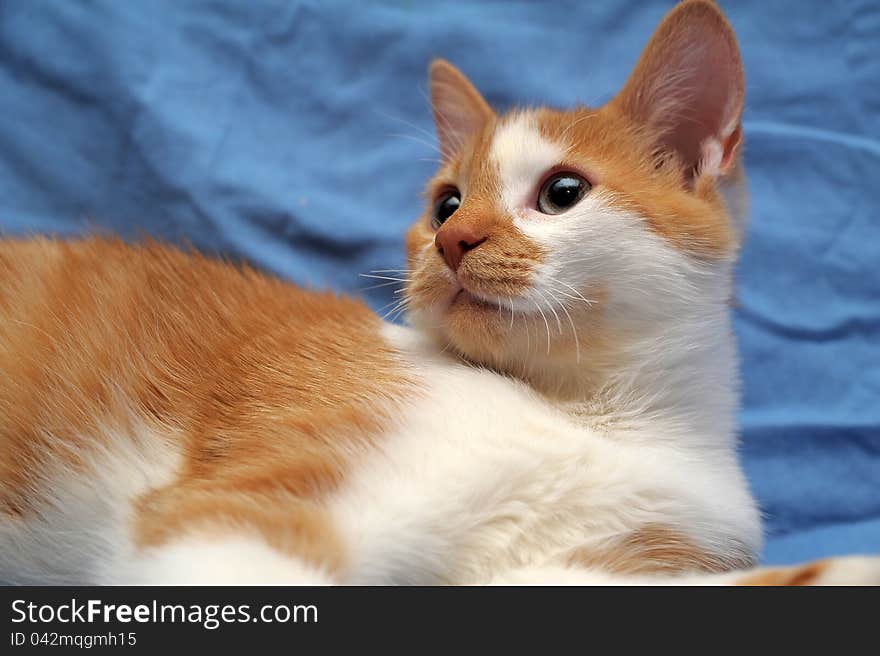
(560, 411)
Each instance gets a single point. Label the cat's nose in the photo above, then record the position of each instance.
(453, 241)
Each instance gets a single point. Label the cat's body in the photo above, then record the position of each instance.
(561, 411)
(146, 371)
(145, 374)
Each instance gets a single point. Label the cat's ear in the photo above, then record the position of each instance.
(459, 109)
(687, 88)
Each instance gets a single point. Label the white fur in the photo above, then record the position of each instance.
(676, 373)
(218, 560)
(80, 532)
(847, 570)
(521, 156)
(482, 479)
(483, 475)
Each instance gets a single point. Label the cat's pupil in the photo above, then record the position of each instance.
(564, 191)
(561, 192)
(445, 207)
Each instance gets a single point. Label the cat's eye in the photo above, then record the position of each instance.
(561, 191)
(445, 206)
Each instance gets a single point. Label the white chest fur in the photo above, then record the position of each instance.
(483, 475)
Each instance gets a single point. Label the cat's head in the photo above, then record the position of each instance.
(548, 233)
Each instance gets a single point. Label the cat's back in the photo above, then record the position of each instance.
(88, 274)
(99, 338)
(69, 309)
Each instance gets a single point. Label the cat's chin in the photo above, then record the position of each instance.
(492, 334)
(477, 327)
(465, 299)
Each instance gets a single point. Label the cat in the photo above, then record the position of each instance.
(560, 408)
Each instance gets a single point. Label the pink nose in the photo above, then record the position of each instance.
(454, 240)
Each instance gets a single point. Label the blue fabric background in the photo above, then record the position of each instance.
(269, 131)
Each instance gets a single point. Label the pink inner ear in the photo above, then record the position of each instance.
(688, 85)
(731, 146)
(707, 101)
(716, 157)
(454, 120)
(459, 109)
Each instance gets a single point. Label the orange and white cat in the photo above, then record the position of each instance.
(561, 409)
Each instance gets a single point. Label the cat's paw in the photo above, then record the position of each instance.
(850, 570)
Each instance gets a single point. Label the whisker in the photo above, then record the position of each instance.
(577, 293)
(397, 314)
(576, 298)
(381, 284)
(577, 342)
(550, 305)
(417, 140)
(425, 132)
(398, 308)
(528, 336)
(546, 324)
(371, 275)
(394, 303)
(446, 348)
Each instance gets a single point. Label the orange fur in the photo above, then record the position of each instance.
(799, 575)
(269, 393)
(657, 549)
(267, 390)
(643, 151)
(502, 266)
(621, 156)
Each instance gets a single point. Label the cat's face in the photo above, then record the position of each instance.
(547, 232)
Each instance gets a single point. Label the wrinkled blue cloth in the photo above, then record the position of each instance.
(297, 135)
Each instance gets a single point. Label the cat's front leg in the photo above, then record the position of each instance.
(850, 570)
(845, 570)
